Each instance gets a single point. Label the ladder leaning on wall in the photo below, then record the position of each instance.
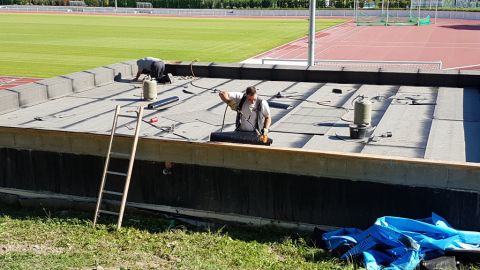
(127, 175)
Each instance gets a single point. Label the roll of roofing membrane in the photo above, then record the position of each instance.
(162, 102)
(243, 137)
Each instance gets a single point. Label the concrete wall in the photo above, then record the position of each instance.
(332, 165)
(41, 91)
(245, 192)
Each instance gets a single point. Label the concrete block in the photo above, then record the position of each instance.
(9, 101)
(256, 72)
(270, 161)
(324, 74)
(469, 78)
(336, 167)
(30, 94)
(121, 71)
(464, 178)
(102, 75)
(289, 73)
(425, 175)
(355, 169)
(133, 66)
(385, 171)
(146, 150)
(27, 141)
(92, 146)
(223, 70)
(57, 87)
(241, 159)
(56, 143)
(7, 140)
(172, 152)
(208, 156)
(363, 75)
(81, 81)
(301, 164)
(397, 77)
(445, 78)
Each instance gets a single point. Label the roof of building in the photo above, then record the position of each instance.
(441, 123)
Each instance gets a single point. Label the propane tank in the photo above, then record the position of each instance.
(362, 111)
(149, 89)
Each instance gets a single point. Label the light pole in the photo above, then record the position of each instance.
(311, 34)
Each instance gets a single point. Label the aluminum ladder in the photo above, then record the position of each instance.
(127, 174)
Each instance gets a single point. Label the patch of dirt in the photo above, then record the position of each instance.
(34, 248)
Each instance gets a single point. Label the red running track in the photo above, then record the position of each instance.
(10, 81)
(454, 42)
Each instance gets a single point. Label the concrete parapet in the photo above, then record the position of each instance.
(256, 72)
(324, 74)
(200, 69)
(225, 70)
(289, 73)
(332, 165)
(358, 75)
(397, 77)
(367, 75)
(102, 75)
(30, 94)
(469, 78)
(57, 87)
(445, 78)
(81, 81)
(8, 101)
(133, 66)
(121, 71)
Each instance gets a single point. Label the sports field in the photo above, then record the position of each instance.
(46, 45)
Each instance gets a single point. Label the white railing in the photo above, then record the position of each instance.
(233, 12)
(436, 65)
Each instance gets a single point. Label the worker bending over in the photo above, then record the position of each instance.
(154, 67)
(252, 112)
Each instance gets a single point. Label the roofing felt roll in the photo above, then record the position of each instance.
(279, 105)
(162, 102)
(243, 137)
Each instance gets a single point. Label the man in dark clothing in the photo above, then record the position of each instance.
(153, 67)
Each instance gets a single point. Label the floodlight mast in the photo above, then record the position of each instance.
(311, 34)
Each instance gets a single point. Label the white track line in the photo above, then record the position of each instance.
(298, 39)
(477, 65)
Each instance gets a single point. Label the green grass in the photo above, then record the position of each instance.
(66, 240)
(41, 45)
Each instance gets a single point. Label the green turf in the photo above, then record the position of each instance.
(41, 45)
(66, 240)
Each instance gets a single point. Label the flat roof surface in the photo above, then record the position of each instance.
(444, 125)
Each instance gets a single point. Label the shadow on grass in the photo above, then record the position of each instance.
(155, 222)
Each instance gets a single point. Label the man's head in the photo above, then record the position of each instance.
(251, 94)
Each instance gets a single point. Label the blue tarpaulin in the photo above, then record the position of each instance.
(400, 243)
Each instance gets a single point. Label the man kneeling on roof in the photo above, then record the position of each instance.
(252, 112)
(154, 67)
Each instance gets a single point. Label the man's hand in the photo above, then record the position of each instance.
(232, 105)
(264, 136)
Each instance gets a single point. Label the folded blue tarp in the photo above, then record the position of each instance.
(400, 243)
